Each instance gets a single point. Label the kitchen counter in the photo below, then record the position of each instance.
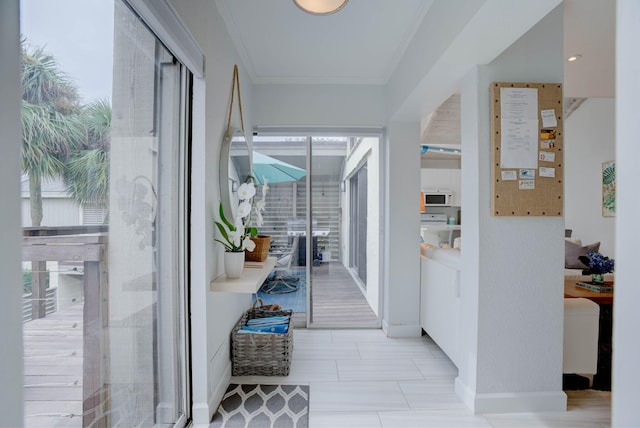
(440, 227)
(431, 233)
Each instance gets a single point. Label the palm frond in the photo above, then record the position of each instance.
(609, 175)
(44, 83)
(87, 176)
(96, 118)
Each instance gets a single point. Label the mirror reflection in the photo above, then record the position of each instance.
(235, 167)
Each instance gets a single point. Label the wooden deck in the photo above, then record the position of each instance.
(337, 300)
(53, 369)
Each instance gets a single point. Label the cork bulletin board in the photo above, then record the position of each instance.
(527, 149)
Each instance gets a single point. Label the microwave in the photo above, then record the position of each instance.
(438, 198)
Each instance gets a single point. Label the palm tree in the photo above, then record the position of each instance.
(50, 126)
(87, 172)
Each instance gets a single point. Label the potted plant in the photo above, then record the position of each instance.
(237, 235)
(597, 266)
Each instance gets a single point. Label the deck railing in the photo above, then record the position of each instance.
(86, 244)
(51, 304)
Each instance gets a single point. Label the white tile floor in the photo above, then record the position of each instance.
(361, 378)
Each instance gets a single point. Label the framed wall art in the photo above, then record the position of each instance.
(609, 189)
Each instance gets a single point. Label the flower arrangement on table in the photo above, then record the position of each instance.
(597, 266)
(236, 235)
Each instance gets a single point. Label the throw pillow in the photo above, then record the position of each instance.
(574, 241)
(573, 251)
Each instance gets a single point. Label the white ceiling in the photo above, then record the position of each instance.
(365, 42)
(589, 30)
(361, 44)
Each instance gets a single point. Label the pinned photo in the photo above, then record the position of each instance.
(547, 144)
(528, 173)
(547, 134)
(547, 156)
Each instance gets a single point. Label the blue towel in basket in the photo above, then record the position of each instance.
(274, 324)
(268, 321)
(278, 328)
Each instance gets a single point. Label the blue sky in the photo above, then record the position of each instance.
(79, 34)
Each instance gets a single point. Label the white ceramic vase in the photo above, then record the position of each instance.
(233, 264)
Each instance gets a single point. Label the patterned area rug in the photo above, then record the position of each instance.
(263, 406)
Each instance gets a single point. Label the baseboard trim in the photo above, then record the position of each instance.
(220, 375)
(200, 414)
(220, 389)
(512, 402)
(401, 330)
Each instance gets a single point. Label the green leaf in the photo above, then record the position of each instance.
(224, 244)
(223, 232)
(253, 231)
(609, 175)
(225, 221)
(610, 203)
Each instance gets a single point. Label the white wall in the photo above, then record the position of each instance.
(402, 220)
(443, 179)
(212, 314)
(511, 350)
(626, 375)
(589, 141)
(319, 105)
(11, 406)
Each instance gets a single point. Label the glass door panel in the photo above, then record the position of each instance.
(282, 164)
(106, 330)
(322, 237)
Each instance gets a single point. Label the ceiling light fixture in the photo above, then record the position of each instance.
(573, 58)
(320, 7)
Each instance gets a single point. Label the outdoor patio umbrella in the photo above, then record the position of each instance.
(274, 170)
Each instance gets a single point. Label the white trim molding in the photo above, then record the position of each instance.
(401, 330)
(511, 402)
(165, 23)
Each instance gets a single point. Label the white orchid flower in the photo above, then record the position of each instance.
(238, 223)
(265, 186)
(248, 244)
(261, 204)
(246, 191)
(236, 236)
(259, 219)
(244, 209)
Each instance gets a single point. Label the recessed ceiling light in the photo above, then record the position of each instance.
(574, 57)
(320, 7)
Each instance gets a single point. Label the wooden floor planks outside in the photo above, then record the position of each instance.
(53, 369)
(337, 299)
(53, 346)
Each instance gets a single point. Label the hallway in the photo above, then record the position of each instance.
(337, 299)
(361, 378)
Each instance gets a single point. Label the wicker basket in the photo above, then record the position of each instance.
(259, 254)
(261, 354)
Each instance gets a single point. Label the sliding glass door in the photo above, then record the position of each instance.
(321, 238)
(358, 223)
(106, 238)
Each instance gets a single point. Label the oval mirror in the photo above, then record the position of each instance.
(235, 167)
